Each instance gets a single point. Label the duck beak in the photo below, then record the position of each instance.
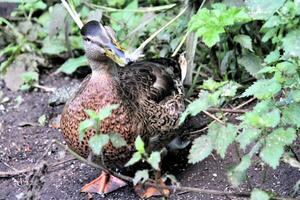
(114, 51)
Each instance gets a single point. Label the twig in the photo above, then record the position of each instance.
(213, 117)
(180, 44)
(73, 14)
(140, 9)
(142, 46)
(227, 110)
(47, 89)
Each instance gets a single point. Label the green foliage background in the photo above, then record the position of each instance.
(245, 49)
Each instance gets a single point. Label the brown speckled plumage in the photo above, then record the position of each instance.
(150, 97)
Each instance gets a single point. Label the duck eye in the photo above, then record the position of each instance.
(87, 39)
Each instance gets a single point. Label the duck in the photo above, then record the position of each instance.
(149, 93)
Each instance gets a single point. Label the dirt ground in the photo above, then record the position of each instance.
(23, 142)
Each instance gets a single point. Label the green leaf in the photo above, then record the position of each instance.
(97, 142)
(212, 85)
(201, 148)
(263, 9)
(244, 40)
(274, 148)
(154, 160)
(295, 94)
(238, 174)
(263, 89)
(92, 114)
(257, 194)
(204, 101)
(291, 43)
(117, 140)
(252, 64)
(106, 111)
(221, 136)
(230, 89)
(30, 77)
(291, 115)
(139, 145)
(53, 46)
(83, 126)
(42, 120)
(273, 56)
(137, 156)
(72, 64)
(140, 176)
(247, 136)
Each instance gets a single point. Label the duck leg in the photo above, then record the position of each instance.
(104, 184)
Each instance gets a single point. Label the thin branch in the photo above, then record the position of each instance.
(140, 9)
(73, 14)
(227, 110)
(180, 44)
(213, 117)
(142, 46)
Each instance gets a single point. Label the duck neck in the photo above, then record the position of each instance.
(100, 67)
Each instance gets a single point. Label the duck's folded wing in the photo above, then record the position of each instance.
(152, 80)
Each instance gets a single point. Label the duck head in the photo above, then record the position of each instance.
(100, 43)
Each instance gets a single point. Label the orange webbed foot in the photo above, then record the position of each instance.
(104, 184)
(147, 191)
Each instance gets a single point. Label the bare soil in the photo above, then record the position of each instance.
(23, 141)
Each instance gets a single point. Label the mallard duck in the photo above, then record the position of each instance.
(149, 94)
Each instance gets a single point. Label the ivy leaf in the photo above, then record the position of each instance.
(201, 148)
(263, 9)
(275, 143)
(106, 111)
(252, 64)
(221, 136)
(295, 94)
(257, 194)
(244, 40)
(291, 115)
(263, 89)
(97, 142)
(247, 136)
(137, 156)
(72, 64)
(141, 176)
(291, 43)
(139, 145)
(154, 160)
(117, 140)
(83, 126)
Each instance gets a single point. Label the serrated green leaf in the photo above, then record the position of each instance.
(97, 142)
(229, 89)
(83, 126)
(238, 174)
(247, 136)
(263, 89)
(154, 160)
(106, 111)
(72, 64)
(137, 156)
(212, 85)
(244, 40)
(291, 43)
(274, 148)
(291, 115)
(201, 148)
(252, 64)
(263, 9)
(257, 194)
(222, 136)
(141, 176)
(117, 140)
(273, 56)
(139, 145)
